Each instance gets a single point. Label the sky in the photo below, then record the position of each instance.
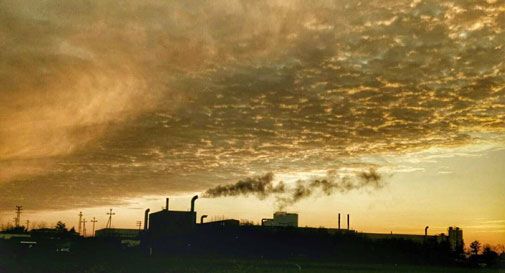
(119, 105)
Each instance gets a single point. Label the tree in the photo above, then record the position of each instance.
(475, 247)
(60, 227)
(11, 229)
(490, 257)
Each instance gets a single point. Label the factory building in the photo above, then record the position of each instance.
(119, 233)
(169, 231)
(281, 219)
(411, 237)
(220, 224)
(455, 237)
(171, 222)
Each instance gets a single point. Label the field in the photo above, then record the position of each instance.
(59, 263)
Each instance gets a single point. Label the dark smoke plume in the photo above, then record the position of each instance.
(262, 187)
(330, 184)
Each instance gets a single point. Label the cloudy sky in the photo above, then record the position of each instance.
(106, 103)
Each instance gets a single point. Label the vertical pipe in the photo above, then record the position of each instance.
(347, 221)
(193, 202)
(339, 221)
(146, 219)
(166, 204)
(202, 217)
(426, 230)
(80, 223)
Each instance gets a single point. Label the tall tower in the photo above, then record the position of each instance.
(80, 223)
(109, 222)
(17, 220)
(84, 227)
(93, 221)
(348, 222)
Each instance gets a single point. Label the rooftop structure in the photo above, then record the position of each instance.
(281, 219)
(119, 233)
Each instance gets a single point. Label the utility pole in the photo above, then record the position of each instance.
(80, 222)
(94, 221)
(84, 227)
(139, 224)
(17, 220)
(109, 223)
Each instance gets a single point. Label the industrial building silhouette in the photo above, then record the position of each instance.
(171, 231)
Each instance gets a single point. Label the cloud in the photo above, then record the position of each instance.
(115, 101)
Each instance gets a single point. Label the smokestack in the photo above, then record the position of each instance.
(201, 218)
(426, 230)
(339, 221)
(347, 221)
(166, 204)
(146, 218)
(193, 202)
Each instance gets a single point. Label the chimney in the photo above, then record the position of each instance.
(193, 202)
(347, 221)
(339, 221)
(146, 219)
(201, 218)
(166, 204)
(426, 230)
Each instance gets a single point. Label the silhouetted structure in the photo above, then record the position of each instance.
(118, 233)
(146, 218)
(80, 223)
(281, 219)
(93, 221)
(178, 233)
(170, 222)
(455, 235)
(17, 220)
(109, 222)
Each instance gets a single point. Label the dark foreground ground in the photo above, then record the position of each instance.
(126, 264)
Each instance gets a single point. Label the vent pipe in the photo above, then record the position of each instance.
(146, 219)
(193, 202)
(426, 230)
(166, 204)
(347, 221)
(201, 218)
(339, 221)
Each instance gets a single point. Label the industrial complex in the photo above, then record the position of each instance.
(184, 233)
(167, 228)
